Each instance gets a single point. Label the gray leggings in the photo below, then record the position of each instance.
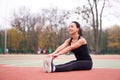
(74, 65)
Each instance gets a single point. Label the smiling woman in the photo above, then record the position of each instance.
(76, 44)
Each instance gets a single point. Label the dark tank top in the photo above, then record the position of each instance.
(82, 52)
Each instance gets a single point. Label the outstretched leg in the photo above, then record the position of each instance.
(74, 65)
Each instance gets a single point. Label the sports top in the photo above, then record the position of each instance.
(82, 52)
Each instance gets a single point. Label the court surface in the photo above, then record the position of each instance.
(29, 67)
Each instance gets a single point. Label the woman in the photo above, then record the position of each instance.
(76, 44)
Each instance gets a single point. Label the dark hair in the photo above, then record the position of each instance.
(78, 26)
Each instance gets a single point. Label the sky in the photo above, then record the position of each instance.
(7, 7)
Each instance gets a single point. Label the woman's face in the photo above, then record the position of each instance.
(72, 29)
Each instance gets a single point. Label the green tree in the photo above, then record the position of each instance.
(114, 37)
(41, 29)
(2, 39)
(14, 39)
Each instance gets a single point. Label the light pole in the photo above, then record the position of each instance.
(5, 46)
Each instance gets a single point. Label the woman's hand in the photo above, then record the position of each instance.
(53, 55)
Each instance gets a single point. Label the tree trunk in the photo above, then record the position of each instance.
(97, 24)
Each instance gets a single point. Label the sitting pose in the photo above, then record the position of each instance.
(76, 44)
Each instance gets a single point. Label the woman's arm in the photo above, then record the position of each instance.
(77, 44)
(61, 47)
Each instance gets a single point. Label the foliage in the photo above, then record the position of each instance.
(48, 29)
(14, 38)
(114, 37)
(38, 31)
